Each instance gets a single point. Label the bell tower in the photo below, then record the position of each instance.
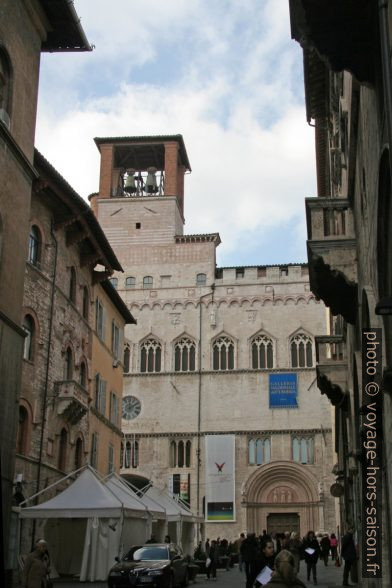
(135, 167)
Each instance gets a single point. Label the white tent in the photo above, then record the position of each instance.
(181, 521)
(86, 523)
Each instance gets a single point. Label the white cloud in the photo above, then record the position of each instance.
(235, 103)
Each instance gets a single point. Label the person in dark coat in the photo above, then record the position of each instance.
(295, 547)
(266, 558)
(36, 568)
(348, 553)
(214, 557)
(249, 552)
(311, 558)
(285, 573)
(325, 545)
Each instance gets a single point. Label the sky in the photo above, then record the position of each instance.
(223, 73)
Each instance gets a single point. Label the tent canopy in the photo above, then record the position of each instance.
(86, 497)
(175, 511)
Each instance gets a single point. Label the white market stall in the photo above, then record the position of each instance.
(181, 521)
(158, 513)
(85, 524)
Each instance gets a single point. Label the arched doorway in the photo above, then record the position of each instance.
(283, 496)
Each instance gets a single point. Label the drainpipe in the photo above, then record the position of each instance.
(199, 406)
(45, 396)
(387, 82)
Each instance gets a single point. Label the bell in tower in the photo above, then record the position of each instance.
(151, 181)
(130, 185)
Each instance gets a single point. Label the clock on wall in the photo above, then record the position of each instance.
(131, 407)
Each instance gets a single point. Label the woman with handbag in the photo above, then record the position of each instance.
(36, 569)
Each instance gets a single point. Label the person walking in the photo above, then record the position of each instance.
(325, 545)
(213, 556)
(334, 546)
(295, 547)
(311, 553)
(266, 558)
(285, 573)
(239, 543)
(349, 554)
(249, 552)
(36, 569)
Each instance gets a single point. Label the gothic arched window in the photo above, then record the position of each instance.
(262, 352)
(223, 354)
(185, 355)
(303, 450)
(259, 451)
(301, 350)
(150, 356)
(127, 359)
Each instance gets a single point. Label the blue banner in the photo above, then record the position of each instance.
(283, 391)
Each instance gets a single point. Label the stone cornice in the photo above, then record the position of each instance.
(221, 372)
(248, 433)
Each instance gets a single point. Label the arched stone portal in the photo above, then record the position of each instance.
(286, 489)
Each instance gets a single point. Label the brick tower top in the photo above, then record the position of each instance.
(143, 166)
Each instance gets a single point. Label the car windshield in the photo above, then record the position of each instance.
(147, 553)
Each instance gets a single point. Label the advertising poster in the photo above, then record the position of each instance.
(220, 478)
(283, 389)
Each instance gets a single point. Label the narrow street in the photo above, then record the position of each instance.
(328, 577)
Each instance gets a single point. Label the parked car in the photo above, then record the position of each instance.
(155, 565)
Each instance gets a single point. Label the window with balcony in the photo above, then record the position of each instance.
(29, 328)
(147, 282)
(262, 352)
(223, 354)
(150, 356)
(83, 375)
(301, 348)
(185, 355)
(68, 364)
(303, 450)
(35, 245)
(259, 451)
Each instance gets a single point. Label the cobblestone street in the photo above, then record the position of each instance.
(328, 577)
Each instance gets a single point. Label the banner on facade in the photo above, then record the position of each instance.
(220, 478)
(283, 390)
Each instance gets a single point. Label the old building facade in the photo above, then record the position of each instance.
(348, 91)
(212, 351)
(61, 407)
(105, 436)
(26, 29)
